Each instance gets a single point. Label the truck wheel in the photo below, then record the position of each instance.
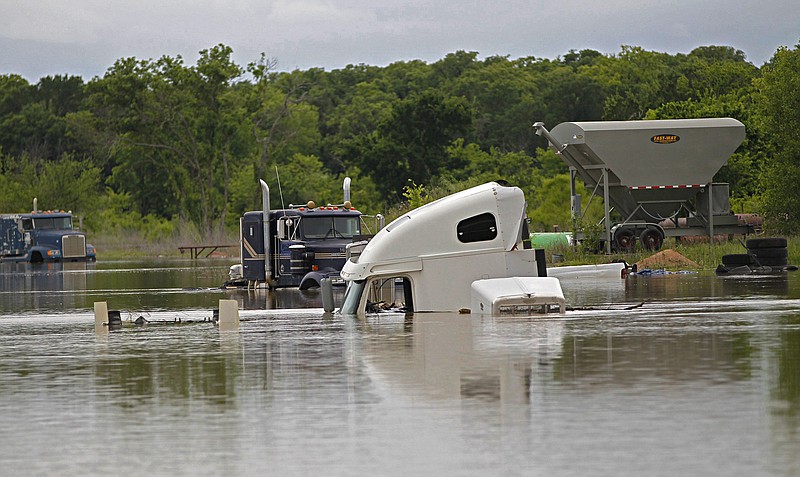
(651, 239)
(624, 240)
(308, 283)
(36, 257)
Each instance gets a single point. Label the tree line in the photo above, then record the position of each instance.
(157, 143)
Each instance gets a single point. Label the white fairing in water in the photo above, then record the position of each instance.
(604, 271)
(441, 248)
(517, 295)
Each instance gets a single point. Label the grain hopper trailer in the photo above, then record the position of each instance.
(658, 175)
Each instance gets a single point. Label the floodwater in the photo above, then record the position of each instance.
(664, 375)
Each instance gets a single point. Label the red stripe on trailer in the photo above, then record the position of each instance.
(681, 186)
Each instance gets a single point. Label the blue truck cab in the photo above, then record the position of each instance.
(42, 236)
(305, 245)
(297, 246)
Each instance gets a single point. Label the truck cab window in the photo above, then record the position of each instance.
(42, 223)
(478, 228)
(62, 223)
(329, 227)
(52, 223)
(347, 227)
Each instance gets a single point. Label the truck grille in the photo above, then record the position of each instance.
(73, 246)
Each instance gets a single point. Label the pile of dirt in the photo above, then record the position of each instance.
(667, 259)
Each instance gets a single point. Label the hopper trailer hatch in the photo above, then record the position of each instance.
(657, 175)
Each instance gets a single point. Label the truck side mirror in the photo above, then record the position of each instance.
(281, 229)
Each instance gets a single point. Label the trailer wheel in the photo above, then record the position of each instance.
(651, 239)
(624, 240)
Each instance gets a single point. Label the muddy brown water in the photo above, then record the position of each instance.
(700, 377)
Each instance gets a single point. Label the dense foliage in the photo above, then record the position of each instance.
(153, 143)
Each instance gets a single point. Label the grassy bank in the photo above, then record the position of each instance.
(134, 245)
(705, 255)
(117, 247)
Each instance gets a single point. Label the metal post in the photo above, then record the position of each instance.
(574, 212)
(346, 189)
(710, 215)
(326, 289)
(265, 219)
(607, 211)
(100, 317)
(228, 315)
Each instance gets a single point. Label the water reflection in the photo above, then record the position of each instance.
(25, 286)
(135, 286)
(707, 285)
(702, 379)
(446, 356)
(139, 372)
(281, 298)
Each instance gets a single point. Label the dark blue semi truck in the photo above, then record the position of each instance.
(42, 237)
(297, 246)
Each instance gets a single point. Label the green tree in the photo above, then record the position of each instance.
(32, 117)
(743, 169)
(779, 89)
(506, 101)
(515, 168)
(549, 206)
(68, 183)
(634, 81)
(570, 95)
(283, 123)
(413, 143)
(714, 71)
(350, 122)
(182, 125)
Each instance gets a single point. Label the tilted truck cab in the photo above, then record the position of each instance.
(42, 237)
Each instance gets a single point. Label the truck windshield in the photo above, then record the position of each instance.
(57, 223)
(330, 227)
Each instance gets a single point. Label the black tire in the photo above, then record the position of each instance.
(770, 252)
(737, 259)
(773, 262)
(624, 240)
(651, 239)
(768, 242)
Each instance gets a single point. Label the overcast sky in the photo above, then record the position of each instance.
(85, 37)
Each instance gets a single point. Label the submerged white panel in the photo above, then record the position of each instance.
(517, 296)
(605, 271)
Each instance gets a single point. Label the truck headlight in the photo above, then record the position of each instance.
(54, 253)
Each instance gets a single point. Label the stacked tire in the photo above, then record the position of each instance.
(734, 260)
(768, 252)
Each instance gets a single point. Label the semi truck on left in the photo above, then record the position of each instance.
(42, 236)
